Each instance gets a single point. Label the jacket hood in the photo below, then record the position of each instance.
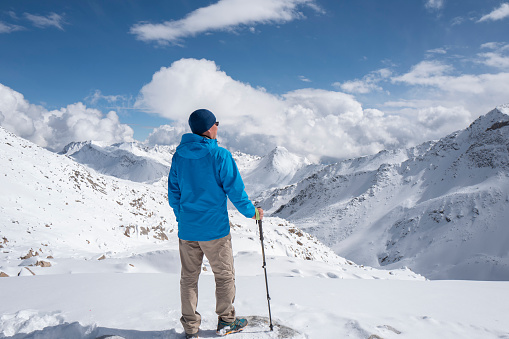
(193, 146)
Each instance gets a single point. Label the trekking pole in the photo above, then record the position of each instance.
(259, 222)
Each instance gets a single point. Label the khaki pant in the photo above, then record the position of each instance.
(220, 255)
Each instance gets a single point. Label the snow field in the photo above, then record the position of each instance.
(147, 306)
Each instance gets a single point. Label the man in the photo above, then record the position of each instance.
(202, 178)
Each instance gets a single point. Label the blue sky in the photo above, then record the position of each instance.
(305, 74)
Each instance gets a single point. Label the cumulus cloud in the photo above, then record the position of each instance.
(55, 129)
(499, 13)
(166, 135)
(41, 21)
(223, 15)
(313, 122)
(190, 84)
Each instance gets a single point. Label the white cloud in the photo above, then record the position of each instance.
(495, 59)
(9, 28)
(98, 96)
(166, 135)
(54, 129)
(498, 58)
(437, 74)
(358, 86)
(472, 90)
(434, 4)
(441, 50)
(436, 84)
(457, 21)
(499, 13)
(223, 15)
(303, 78)
(430, 120)
(190, 84)
(430, 73)
(491, 45)
(308, 121)
(76, 122)
(367, 84)
(51, 20)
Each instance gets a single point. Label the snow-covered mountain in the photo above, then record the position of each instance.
(440, 208)
(59, 217)
(276, 169)
(57, 214)
(384, 210)
(131, 161)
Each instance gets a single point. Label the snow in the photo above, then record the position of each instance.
(438, 208)
(276, 169)
(147, 306)
(130, 161)
(90, 255)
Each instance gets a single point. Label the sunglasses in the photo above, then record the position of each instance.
(217, 123)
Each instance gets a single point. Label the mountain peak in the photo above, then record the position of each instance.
(503, 108)
(74, 147)
(496, 117)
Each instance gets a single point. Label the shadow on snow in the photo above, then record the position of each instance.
(77, 331)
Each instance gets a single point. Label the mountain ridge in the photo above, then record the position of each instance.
(449, 192)
(435, 207)
(59, 217)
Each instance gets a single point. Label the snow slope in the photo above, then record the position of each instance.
(58, 211)
(439, 208)
(130, 161)
(61, 220)
(276, 169)
(97, 256)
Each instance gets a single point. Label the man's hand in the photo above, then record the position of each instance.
(260, 210)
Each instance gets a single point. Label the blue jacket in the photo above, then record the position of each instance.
(202, 178)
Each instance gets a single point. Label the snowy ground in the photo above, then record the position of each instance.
(135, 294)
(147, 306)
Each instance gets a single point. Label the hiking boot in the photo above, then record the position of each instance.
(224, 328)
(192, 335)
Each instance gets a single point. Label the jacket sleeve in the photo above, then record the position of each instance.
(174, 189)
(234, 186)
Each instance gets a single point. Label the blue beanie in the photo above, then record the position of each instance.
(201, 121)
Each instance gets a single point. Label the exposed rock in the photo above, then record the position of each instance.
(30, 254)
(3, 275)
(43, 263)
